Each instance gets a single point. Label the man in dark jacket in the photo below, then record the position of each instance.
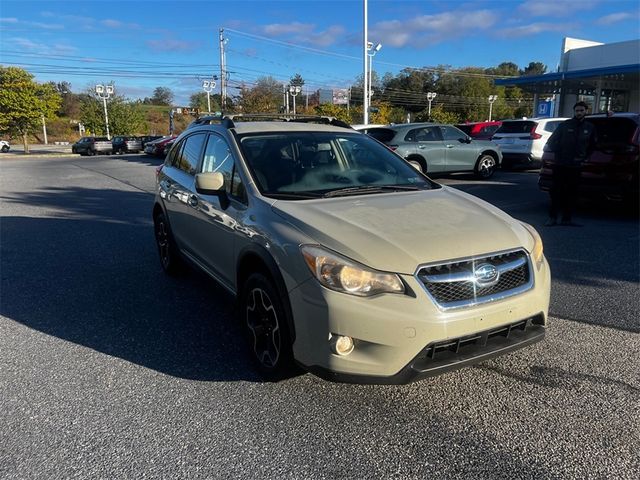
(572, 142)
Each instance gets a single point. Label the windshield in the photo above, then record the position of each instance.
(310, 164)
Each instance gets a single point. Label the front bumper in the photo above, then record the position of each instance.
(392, 333)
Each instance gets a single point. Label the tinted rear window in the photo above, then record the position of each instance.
(465, 128)
(612, 131)
(524, 126)
(383, 135)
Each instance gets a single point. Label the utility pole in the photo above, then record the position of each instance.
(365, 61)
(223, 74)
(44, 130)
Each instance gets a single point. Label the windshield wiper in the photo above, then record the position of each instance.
(365, 189)
(292, 195)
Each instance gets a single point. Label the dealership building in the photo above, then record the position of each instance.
(605, 76)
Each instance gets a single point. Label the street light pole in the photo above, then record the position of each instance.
(294, 90)
(430, 97)
(208, 86)
(371, 52)
(104, 92)
(365, 89)
(44, 130)
(492, 98)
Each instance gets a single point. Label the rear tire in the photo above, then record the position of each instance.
(485, 166)
(169, 255)
(265, 322)
(90, 152)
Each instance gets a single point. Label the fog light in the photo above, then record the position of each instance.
(341, 345)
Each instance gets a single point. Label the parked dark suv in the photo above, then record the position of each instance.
(125, 144)
(612, 169)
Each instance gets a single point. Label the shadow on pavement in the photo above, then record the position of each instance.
(92, 277)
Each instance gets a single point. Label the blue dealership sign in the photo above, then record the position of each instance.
(545, 109)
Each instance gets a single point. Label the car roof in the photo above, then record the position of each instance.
(272, 127)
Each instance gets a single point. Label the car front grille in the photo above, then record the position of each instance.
(460, 283)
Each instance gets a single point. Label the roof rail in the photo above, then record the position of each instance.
(228, 120)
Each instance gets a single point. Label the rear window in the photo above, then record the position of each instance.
(525, 126)
(614, 131)
(383, 135)
(465, 128)
(551, 126)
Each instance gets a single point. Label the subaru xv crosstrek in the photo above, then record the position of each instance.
(343, 258)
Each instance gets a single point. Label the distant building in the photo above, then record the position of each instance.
(337, 96)
(605, 76)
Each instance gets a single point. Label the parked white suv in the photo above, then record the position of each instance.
(4, 146)
(522, 141)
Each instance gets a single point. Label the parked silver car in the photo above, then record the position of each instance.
(342, 256)
(92, 146)
(126, 144)
(434, 148)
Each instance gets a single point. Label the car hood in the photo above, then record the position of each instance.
(396, 232)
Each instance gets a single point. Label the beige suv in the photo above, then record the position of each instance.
(343, 258)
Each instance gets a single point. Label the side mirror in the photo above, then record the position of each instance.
(466, 139)
(210, 183)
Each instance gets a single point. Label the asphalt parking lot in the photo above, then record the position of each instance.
(109, 369)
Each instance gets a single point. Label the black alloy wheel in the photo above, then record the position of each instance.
(5, 149)
(169, 256)
(265, 322)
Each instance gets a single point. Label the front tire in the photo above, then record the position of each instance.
(5, 149)
(169, 255)
(265, 322)
(485, 166)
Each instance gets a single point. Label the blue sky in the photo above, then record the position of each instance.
(140, 45)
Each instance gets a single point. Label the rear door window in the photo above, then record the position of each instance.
(189, 156)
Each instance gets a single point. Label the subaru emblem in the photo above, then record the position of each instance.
(486, 275)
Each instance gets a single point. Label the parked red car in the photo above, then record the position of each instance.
(157, 147)
(480, 130)
(612, 169)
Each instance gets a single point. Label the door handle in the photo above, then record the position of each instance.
(450, 146)
(193, 200)
(421, 147)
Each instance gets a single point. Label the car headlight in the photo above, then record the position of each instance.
(343, 275)
(536, 251)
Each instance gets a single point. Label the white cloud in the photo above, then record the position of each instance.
(8, 20)
(614, 18)
(118, 24)
(172, 45)
(46, 26)
(304, 33)
(556, 8)
(533, 29)
(430, 29)
(42, 48)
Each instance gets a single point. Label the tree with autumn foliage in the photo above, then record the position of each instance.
(24, 103)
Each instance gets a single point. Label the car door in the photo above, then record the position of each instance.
(215, 217)
(177, 187)
(461, 153)
(429, 146)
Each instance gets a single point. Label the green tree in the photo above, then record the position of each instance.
(125, 118)
(24, 102)
(264, 97)
(199, 100)
(535, 68)
(296, 80)
(161, 96)
(337, 111)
